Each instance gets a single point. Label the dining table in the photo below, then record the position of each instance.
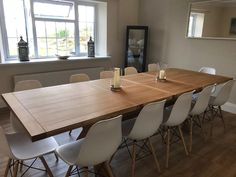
(49, 111)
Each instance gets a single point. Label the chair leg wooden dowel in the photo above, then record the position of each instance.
(7, 167)
(46, 166)
(167, 148)
(16, 168)
(21, 165)
(154, 155)
(222, 118)
(191, 135)
(86, 173)
(108, 169)
(69, 171)
(57, 159)
(182, 138)
(133, 159)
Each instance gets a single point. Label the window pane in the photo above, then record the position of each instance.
(12, 42)
(51, 29)
(14, 18)
(64, 10)
(42, 47)
(40, 29)
(86, 25)
(52, 46)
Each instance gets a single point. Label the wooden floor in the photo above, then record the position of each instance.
(213, 158)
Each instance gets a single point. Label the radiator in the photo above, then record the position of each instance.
(58, 77)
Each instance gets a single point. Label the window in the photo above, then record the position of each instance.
(196, 22)
(50, 26)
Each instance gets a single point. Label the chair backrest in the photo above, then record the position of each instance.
(180, 109)
(130, 70)
(224, 93)
(101, 142)
(148, 121)
(106, 74)
(4, 146)
(79, 78)
(202, 101)
(153, 67)
(27, 85)
(208, 70)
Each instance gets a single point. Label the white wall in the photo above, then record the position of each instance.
(167, 20)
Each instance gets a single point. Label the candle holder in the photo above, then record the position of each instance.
(115, 89)
(161, 76)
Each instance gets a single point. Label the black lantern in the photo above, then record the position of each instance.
(91, 48)
(23, 50)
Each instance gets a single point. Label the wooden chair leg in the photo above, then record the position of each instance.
(133, 159)
(69, 171)
(7, 167)
(167, 148)
(108, 169)
(16, 168)
(222, 118)
(182, 138)
(154, 155)
(86, 173)
(191, 134)
(46, 166)
(21, 165)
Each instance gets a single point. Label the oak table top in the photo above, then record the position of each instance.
(48, 111)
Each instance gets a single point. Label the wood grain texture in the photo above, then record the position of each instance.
(49, 111)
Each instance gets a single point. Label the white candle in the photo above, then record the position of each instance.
(162, 74)
(116, 80)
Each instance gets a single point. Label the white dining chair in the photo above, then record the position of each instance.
(208, 70)
(130, 70)
(106, 74)
(79, 78)
(146, 125)
(153, 67)
(218, 99)
(199, 108)
(18, 148)
(173, 119)
(101, 141)
(20, 86)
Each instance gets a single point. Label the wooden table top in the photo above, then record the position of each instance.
(49, 111)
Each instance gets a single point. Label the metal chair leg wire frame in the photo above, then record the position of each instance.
(13, 167)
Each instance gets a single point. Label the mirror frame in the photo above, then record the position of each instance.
(203, 38)
(145, 28)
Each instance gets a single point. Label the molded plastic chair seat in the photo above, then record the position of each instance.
(208, 70)
(24, 149)
(153, 67)
(68, 152)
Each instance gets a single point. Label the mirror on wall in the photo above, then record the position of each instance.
(136, 47)
(212, 20)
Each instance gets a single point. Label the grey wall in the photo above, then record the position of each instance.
(167, 20)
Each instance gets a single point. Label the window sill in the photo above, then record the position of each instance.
(46, 60)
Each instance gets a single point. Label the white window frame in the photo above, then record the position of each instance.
(4, 42)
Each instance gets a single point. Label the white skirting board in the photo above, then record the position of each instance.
(229, 107)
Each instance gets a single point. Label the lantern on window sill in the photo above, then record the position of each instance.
(23, 50)
(91, 48)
